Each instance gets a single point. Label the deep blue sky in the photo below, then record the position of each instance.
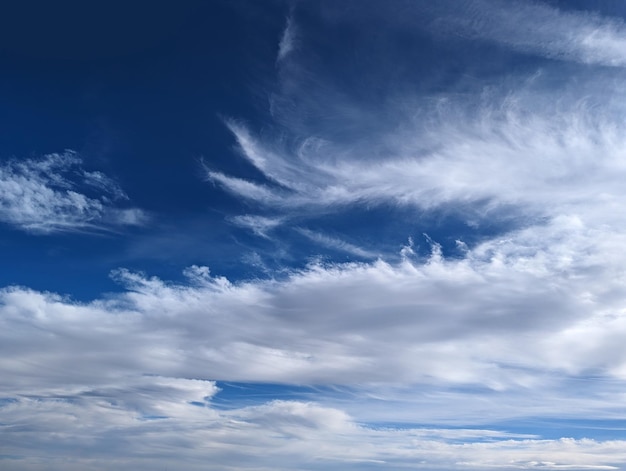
(312, 235)
(138, 90)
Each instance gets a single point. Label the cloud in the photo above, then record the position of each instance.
(288, 40)
(276, 435)
(509, 143)
(501, 318)
(336, 244)
(146, 420)
(535, 28)
(55, 194)
(259, 225)
(509, 154)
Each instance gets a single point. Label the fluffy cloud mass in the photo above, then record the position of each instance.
(54, 193)
(519, 327)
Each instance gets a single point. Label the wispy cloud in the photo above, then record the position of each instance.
(259, 225)
(534, 28)
(288, 40)
(336, 244)
(509, 154)
(54, 193)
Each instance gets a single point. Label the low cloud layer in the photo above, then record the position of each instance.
(506, 323)
(279, 435)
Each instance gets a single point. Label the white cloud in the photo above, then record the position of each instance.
(278, 435)
(501, 318)
(512, 144)
(336, 244)
(288, 40)
(536, 28)
(259, 225)
(514, 156)
(54, 193)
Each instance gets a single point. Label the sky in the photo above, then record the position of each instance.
(313, 235)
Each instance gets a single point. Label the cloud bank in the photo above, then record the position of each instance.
(516, 328)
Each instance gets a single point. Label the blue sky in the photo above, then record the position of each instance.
(243, 235)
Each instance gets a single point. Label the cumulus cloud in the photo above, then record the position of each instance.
(54, 193)
(500, 318)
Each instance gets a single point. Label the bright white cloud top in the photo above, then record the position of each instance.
(504, 349)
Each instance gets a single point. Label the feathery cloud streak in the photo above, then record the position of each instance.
(534, 28)
(499, 155)
(288, 41)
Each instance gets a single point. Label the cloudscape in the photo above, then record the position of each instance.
(352, 235)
